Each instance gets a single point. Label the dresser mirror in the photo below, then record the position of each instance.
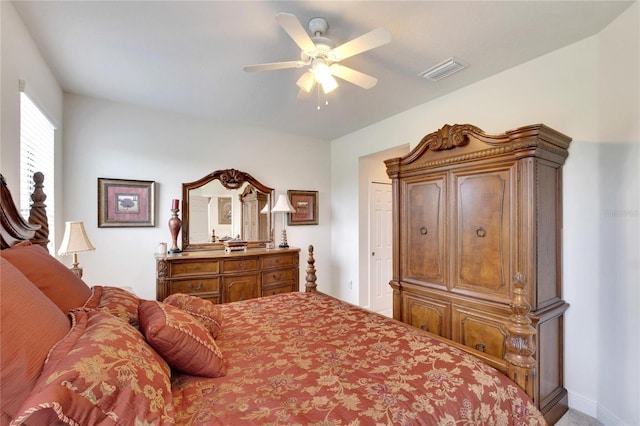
(222, 205)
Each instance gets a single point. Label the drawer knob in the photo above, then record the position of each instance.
(278, 276)
(195, 287)
(424, 230)
(480, 347)
(424, 326)
(195, 268)
(481, 232)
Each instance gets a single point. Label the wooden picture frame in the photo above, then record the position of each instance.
(224, 210)
(126, 203)
(306, 205)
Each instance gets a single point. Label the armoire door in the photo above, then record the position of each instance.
(483, 222)
(423, 231)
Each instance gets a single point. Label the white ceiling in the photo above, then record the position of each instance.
(187, 56)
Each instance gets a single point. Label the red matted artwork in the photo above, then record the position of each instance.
(125, 203)
(305, 204)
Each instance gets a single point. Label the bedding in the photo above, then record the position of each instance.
(77, 355)
(307, 358)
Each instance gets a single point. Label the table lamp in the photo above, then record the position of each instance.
(283, 206)
(74, 241)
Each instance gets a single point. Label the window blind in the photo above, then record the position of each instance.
(36, 155)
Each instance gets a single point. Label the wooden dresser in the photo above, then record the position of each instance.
(224, 278)
(470, 212)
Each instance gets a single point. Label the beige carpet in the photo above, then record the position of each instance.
(576, 418)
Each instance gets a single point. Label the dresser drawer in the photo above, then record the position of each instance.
(241, 287)
(279, 276)
(289, 259)
(240, 265)
(480, 330)
(428, 314)
(192, 268)
(272, 291)
(195, 285)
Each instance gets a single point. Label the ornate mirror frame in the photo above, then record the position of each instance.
(230, 179)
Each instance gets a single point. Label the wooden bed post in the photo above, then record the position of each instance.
(38, 212)
(521, 366)
(310, 281)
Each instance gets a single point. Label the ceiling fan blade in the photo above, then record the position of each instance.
(306, 82)
(352, 76)
(371, 40)
(274, 66)
(296, 31)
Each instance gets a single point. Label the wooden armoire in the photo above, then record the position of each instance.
(470, 211)
(254, 223)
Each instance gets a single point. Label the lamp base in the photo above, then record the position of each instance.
(283, 239)
(176, 250)
(76, 270)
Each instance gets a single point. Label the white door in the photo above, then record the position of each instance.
(380, 255)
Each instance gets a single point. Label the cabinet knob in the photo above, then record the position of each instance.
(195, 287)
(424, 230)
(424, 326)
(481, 232)
(480, 347)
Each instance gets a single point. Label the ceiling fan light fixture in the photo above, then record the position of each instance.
(306, 81)
(329, 85)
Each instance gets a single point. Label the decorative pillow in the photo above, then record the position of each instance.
(116, 301)
(102, 372)
(181, 339)
(205, 311)
(30, 325)
(54, 279)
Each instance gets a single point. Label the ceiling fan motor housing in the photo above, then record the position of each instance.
(318, 26)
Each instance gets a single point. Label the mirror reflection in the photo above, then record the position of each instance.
(226, 204)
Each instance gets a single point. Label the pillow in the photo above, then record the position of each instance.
(30, 325)
(181, 339)
(101, 372)
(116, 301)
(205, 311)
(54, 279)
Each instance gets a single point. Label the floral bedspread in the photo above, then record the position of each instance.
(308, 359)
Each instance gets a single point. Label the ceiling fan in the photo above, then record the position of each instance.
(322, 58)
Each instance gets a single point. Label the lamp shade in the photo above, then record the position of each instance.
(265, 209)
(75, 239)
(283, 205)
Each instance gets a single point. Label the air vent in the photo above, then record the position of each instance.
(443, 69)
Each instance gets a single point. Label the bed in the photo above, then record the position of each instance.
(77, 355)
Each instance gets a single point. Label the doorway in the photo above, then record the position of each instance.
(380, 248)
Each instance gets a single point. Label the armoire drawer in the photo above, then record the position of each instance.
(179, 269)
(428, 314)
(480, 330)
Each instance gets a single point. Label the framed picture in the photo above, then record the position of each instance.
(224, 210)
(126, 203)
(306, 205)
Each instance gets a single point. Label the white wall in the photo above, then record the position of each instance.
(588, 91)
(21, 60)
(111, 140)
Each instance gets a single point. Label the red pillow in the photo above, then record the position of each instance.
(102, 372)
(205, 311)
(54, 279)
(180, 339)
(30, 326)
(116, 301)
